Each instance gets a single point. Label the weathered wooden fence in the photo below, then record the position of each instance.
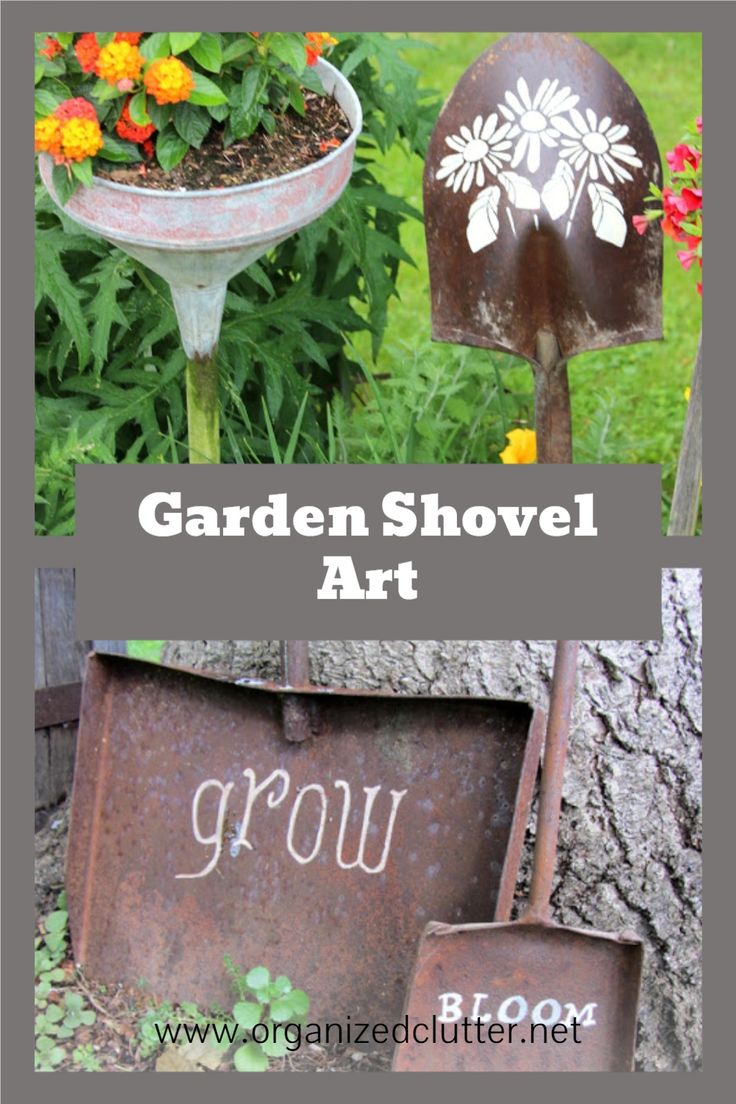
(59, 663)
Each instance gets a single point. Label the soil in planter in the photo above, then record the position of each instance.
(297, 141)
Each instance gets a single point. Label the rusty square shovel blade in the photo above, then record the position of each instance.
(198, 830)
(539, 160)
(532, 981)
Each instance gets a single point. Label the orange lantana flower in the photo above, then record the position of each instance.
(168, 80)
(316, 43)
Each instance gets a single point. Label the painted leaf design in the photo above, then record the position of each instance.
(483, 219)
(609, 223)
(558, 191)
(522, 194)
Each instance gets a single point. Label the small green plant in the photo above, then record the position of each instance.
(85, 1057)
(262, 1001)
(56, 1019)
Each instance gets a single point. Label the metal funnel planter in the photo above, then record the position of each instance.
(198, 240)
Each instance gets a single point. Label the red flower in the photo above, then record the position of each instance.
(133, 37)
(641, 222)
(131, 131)
(51, 47)
(87, 49)
(682, 156)
(699, 127)
(693, 198)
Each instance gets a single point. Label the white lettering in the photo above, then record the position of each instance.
(451, 1007)
(585, 526)
(401, 521)
(304, 859)
(504, 1014)
(216, 836)
(555, 1011)
(170, 524)
(370, 793)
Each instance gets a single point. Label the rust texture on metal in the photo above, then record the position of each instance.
(522, 809)
(514, 974)
(561, 999)
(199, 830)
(537, 163)
(553, 774)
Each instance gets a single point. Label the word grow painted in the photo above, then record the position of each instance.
(276, 788)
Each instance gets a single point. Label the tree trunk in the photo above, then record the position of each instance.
(630, 840)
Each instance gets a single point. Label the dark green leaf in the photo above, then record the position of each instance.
(83, 172)
(170, 149)
(208, 52)
(115, 149)
(45, 102)
(290, 49)
(161, 114)
(192, 123)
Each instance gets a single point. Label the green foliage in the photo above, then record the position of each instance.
(263, 1000)
(109, 367)
(440, 405)
(259, 1000)
(57, 1017)
(237, 82)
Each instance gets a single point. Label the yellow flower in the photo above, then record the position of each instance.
(80, 138)
(119, 61)
(47, 133)
(686, 394)
(169, 80)
(522, 447)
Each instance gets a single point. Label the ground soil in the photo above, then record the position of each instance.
(296, 142)
(114, 1035)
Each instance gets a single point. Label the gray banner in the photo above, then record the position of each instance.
(525, 558)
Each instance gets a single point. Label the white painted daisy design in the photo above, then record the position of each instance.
(596, 147)
(534, 120)
(478, 151)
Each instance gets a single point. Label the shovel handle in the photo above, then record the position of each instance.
(295, 672)
(553, 772)
(552, 413)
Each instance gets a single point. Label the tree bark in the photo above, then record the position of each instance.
(630, 840)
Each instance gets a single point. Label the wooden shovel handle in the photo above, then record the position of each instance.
(553, 772)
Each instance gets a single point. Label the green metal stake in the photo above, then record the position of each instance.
(203, 410)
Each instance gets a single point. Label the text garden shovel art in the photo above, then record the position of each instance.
(538, 161)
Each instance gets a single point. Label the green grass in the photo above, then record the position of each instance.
(628, 403)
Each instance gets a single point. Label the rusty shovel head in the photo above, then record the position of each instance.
(199, 830)
(539, 160)
(519, 988)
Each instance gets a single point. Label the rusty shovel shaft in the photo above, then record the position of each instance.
(552, 412)
(553, 772)
(295, 672)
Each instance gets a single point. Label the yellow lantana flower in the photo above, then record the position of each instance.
(119, 61)
(47, 134)
(80, 138)
(521, 448)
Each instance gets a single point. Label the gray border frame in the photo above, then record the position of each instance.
(713, 552)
